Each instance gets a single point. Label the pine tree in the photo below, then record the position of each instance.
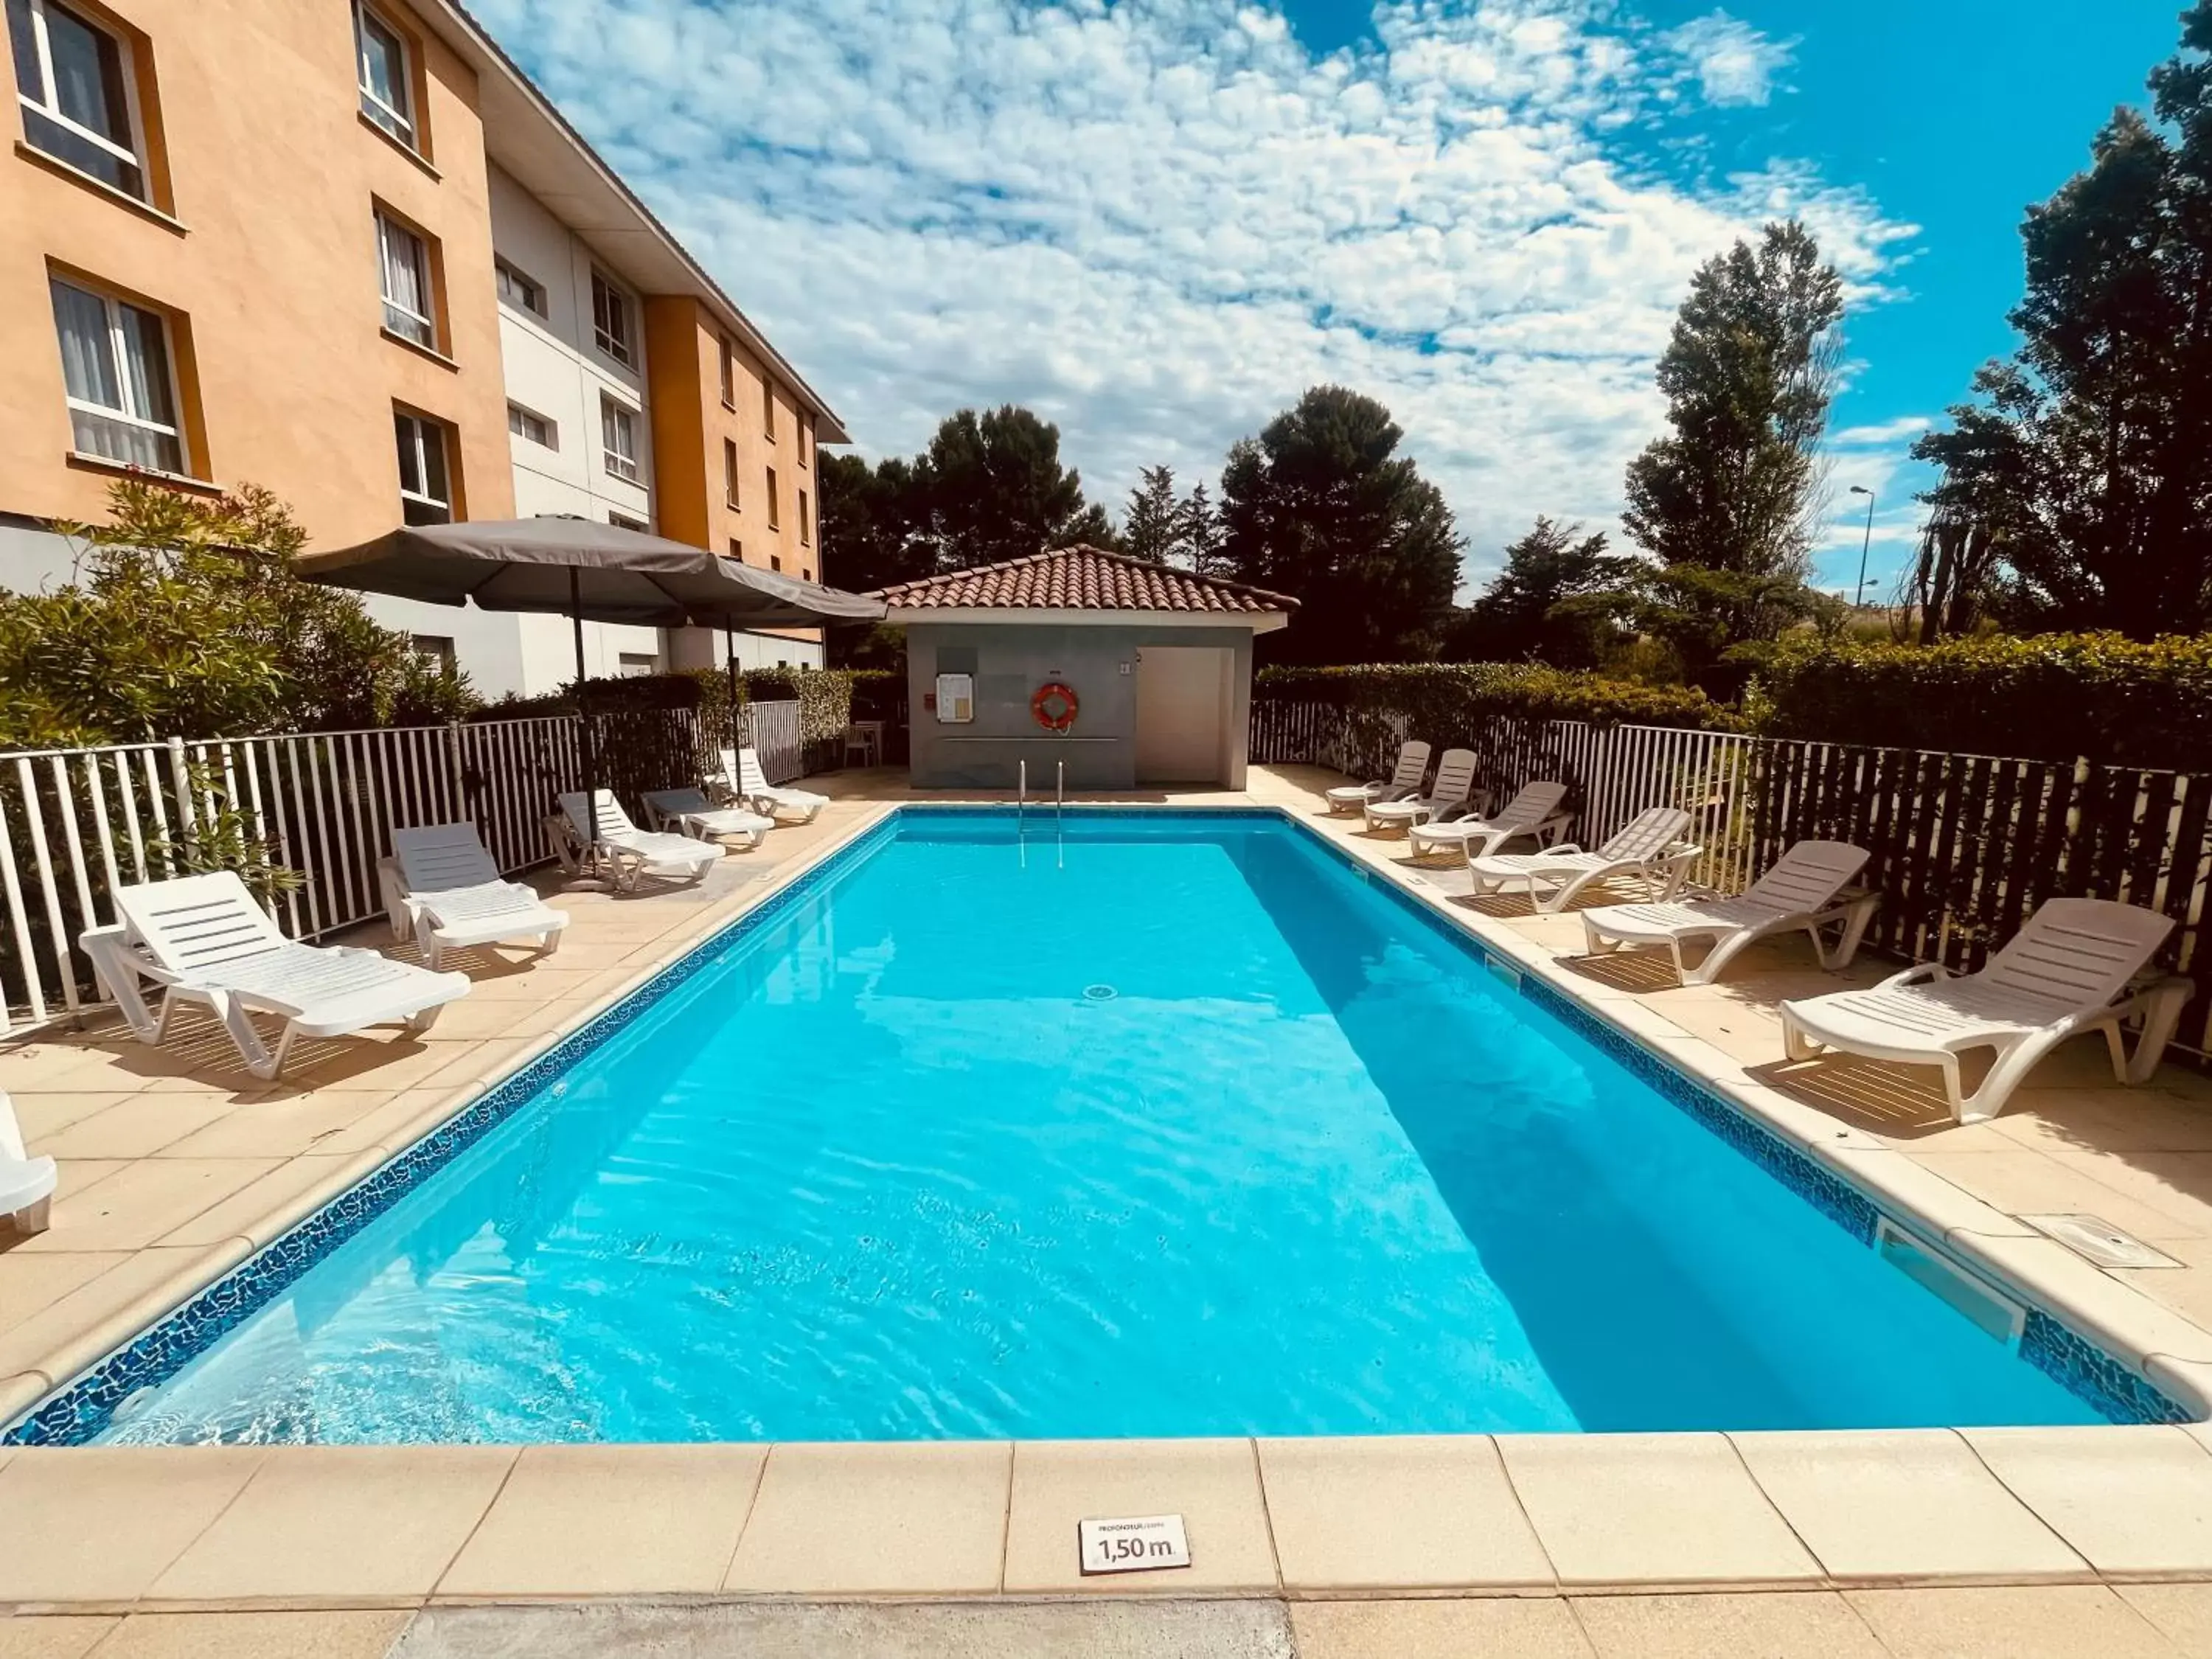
(1151, 525)
(1198, 533)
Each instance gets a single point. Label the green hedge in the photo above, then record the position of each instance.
(2046, 697)
(828, 697)
(1446, 696)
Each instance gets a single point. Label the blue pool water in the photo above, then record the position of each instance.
(1170, 1126)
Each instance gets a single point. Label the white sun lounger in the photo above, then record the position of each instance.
(630, 851)
(1805, 890)
(689, 812)
(202, 939)
(441, 884)
(741, 768)
(1534, 811)
(1448, 798)
(1648, 845)
(1404, 781)
(2066, 972)
(26, 1183)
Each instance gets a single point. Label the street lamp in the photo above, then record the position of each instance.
(1865, 542)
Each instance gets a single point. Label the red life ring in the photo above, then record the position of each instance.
(1041, 710)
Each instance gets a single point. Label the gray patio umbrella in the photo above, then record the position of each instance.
(588, 572)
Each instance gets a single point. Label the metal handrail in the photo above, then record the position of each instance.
(1059, 794)
(1021, 796)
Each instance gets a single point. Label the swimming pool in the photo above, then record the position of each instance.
(1168, 1124)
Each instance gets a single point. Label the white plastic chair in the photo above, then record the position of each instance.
(202, 939)
(741, 770)
(1534, 812)
(441, 884)
(2066, 971)
(1805, 890)
(629, 851)
(1404, 780)
(689, 812)
(26, 1183)
(1648, 845)
(1447, 799)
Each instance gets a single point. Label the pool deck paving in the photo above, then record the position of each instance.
(176, 1165)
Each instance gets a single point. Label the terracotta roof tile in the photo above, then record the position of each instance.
(1081, 578)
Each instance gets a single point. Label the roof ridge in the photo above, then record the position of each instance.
(1074, 569)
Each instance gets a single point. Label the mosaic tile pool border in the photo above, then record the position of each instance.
(79, 1410)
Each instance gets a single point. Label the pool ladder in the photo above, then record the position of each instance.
(1058, 809)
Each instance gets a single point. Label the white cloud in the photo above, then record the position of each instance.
(1157, 222)
(1883, 434)
(1734, 63)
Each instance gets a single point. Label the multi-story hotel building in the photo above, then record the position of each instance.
(344, 249)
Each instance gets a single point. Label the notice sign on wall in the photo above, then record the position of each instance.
(1131, 1543)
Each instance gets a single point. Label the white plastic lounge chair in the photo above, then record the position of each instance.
(2066, 972)
(26, 1183)
(1648, 845)
(202, 939)
(441, 885)
(1448, 798)
(689, 812)
(1404, 781)
(1804, 889)
(741, 767)
(630, 851)
(1534, 811)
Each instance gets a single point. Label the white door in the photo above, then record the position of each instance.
(1182, 699)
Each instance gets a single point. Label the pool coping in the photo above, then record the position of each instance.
(2112, 1460)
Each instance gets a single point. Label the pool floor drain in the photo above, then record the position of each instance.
(1099, 994)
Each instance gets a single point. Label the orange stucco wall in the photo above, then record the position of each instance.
(272, 281)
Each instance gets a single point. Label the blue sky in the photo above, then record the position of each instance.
(1156, 221)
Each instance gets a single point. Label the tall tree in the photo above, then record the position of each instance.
(1321, 507)
(872, 521)
(2089, 457)
(1728, 501)
(1529, 611)
(993, 489)
(1198, 533)
(1151, 524)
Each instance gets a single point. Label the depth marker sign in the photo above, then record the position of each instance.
(1131, 1543)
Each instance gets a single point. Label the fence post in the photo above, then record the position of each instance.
(180, 774)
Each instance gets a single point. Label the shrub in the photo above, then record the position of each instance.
(1441, 696)
(2045, 696)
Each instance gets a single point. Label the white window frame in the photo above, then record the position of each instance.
(612, 413)
(504, 267)
(388, 227)
(624, 521)
(518, 417)
(422, 424)
(118, 346)
(42, 48)
(409, 134)
(623, 348)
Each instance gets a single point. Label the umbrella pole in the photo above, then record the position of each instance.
(730, 660)
(584, 721)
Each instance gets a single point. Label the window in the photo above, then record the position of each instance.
(517, 288)
(426, 494)
(618, 438)
(737, 550)
(623, 521)
(529, 423)
(806, 441)
(772, 521)
(804, 536)
(729, 373)
(637, 663)
(387, 85)
(73, 79)
(729, 473)
(436, 649)
(115, 366)
(403, 266)
(610, 329)
(775, 561)
(768, 407)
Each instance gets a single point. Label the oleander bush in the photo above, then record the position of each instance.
(2044, 697)
(1447, 696)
